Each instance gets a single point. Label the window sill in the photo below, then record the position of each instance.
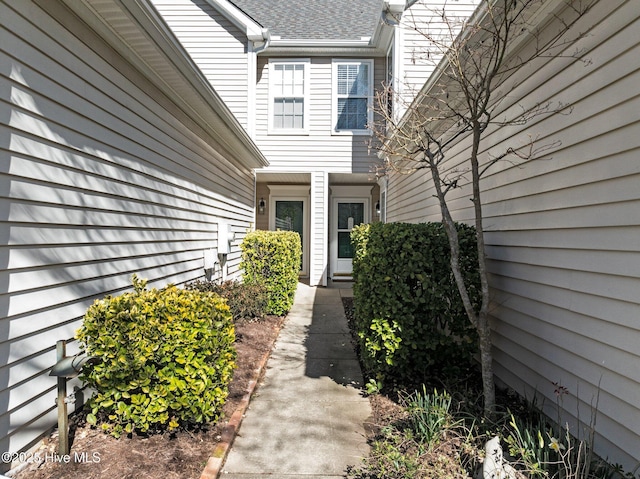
(287, 132)
(351, 132)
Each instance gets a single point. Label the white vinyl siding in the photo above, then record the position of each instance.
(289, 96)
(318, 153)
(101, 176)
(216, 45)
(319, 149)
(352, 95)
(563, 231)
(319, 227)
(417, 56)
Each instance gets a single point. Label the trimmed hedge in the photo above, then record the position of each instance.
(167, 358)
(272, 259)
(410, 320)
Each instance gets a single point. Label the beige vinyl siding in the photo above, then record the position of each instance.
(216, 45)
(563, 232)
(418, 58)
(262, 220)
(101, 176)
(319, 149)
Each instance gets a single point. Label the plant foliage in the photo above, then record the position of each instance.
(429, 415)
(409, 318)
(246, 301)
(272, 259)
(167, 358)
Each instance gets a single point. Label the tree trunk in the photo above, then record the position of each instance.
(479, 320)
(482, 317)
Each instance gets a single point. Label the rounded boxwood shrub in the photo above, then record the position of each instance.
(272, 259)
(166, 358)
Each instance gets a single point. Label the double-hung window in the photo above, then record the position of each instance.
(352, 95)
(288, 96)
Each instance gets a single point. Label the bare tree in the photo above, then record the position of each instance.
(467, 93)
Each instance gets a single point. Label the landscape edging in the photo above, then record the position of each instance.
(218, 456)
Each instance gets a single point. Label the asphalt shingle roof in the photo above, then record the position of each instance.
(315, 19)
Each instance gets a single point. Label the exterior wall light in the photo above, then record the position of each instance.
(66, 367)
(71, 366)
(261, 206)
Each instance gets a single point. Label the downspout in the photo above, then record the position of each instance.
(385, 19)
(263, 42)
(395, 9)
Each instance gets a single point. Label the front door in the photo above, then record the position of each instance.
(347, 213)
(289, 215)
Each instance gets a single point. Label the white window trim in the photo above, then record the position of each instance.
(334, 96)
(307, 74)
(383, 183)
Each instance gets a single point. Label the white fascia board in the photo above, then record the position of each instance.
(189, 89)
(254, 31)
(390, 16)
(306, 43)
(340, 48)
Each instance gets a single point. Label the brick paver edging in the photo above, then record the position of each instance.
(216, 461)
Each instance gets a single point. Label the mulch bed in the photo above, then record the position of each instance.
(182, 455)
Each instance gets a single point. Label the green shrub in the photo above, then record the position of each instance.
(167, 358)
(409, 316)
(272, 259)
(246, 301)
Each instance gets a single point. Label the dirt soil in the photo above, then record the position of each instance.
(183, 455)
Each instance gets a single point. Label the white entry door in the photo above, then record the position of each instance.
(346, 213)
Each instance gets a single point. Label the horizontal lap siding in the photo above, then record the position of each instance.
(99, 179)
(320, 150)
(216, 45)
(319, 227)
(418, 57)
(563, 232)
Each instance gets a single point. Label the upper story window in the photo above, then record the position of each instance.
(288, 96)
(352, 93)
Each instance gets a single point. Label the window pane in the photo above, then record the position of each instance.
(288, 113)
(287, 85)
(290, 217)
(352, 114)
(288, 79)
(352, 89)
(345, 248)
(361, 86)
(353, 80)
(350, 210)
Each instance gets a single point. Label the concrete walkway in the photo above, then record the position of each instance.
(306, 419)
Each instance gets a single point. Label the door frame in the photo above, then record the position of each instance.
(345, 194)
(293, 193)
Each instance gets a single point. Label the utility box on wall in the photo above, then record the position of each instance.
(224, 238)
(210, 259)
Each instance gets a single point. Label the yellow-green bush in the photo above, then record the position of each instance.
(410, 320)
(166, 358)
(272, 259)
